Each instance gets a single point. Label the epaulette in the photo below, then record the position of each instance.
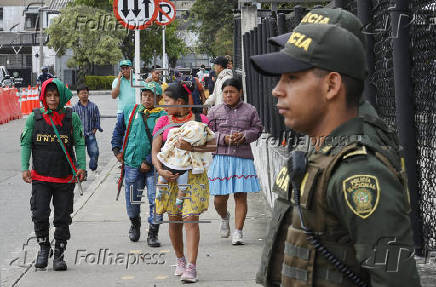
(360, 150)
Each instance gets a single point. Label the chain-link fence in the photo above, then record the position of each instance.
(423, 53)
(383, 76)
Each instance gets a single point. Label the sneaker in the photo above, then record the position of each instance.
(225, 226)
(237, 237)
(190, 274)
(180, 267)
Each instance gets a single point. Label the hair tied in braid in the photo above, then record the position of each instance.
(187, 89)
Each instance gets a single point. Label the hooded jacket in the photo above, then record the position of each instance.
(58, 115)
(217, 97)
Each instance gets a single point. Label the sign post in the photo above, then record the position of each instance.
(166, 15)
(164, 60)
(136, 15)
(137, 64)
(139, 14)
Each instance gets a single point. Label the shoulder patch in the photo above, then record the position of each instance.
(362, 194)
(360, 151)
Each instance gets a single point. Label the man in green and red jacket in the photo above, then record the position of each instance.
(54, 167)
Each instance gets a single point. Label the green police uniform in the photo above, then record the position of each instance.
(354, 197)
(272, 257)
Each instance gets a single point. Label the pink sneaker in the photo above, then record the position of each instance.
(190, 274)
(180, 268)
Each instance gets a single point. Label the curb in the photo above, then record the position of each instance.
(11, 275)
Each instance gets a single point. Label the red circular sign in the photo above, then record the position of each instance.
(163, 17)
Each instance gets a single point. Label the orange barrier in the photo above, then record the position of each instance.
(69, 102)
(24, 102)
(9, 105)
(29, 100)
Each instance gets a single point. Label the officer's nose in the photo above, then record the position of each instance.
(277, 91)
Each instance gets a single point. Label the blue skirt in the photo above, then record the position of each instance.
(229, 174)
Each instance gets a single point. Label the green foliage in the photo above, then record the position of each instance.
(151, 40)
(215, 28)
(101, 4)
(99, 82)
(80, 29)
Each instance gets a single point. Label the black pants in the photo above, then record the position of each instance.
(63, 198)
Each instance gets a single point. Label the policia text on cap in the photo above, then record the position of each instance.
(347, 197)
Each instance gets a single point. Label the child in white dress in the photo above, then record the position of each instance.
(180, 161)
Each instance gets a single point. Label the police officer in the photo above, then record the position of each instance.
(272, 257)
(44, 76)
(350, 197)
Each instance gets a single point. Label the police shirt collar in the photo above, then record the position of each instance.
(345, 134)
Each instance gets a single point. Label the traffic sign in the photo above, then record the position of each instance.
(166, 12)
(135, 14)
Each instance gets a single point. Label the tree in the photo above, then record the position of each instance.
(151, 38)
(214, 20)
(101, 4)
(151, 41)
(80, 29)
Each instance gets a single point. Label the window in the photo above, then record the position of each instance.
(31, 22)
(1, 18)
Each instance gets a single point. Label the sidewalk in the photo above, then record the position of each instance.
(100, 227)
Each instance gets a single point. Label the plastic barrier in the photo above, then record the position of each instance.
(9, 105)
(29, 99)
(24, 102)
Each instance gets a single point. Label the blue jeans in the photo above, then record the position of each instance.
(138, 180)
(92, 147)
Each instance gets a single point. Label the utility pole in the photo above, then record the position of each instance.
(41, 39)
(164, 64)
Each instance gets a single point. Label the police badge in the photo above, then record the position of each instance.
(362, 194)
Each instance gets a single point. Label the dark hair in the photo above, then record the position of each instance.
(234, 82)
(353, 87)
(177, 91)
(81, 88)
(154, 68)
(51, 87)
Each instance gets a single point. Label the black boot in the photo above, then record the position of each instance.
(135, 229)
(44, 253)
(152, 240)
(58, 261)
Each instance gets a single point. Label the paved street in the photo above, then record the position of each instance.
(15, 218)
(100, 253)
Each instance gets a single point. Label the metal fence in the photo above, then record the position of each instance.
(381, 46)
(423, 53)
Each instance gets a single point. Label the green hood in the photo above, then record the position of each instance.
(65, 94)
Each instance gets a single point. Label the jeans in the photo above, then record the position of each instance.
(93, 152)
(138, 180)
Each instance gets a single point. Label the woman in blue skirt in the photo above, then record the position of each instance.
(236, 124)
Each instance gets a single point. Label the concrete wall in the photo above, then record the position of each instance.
(13, 15)
(269, 158)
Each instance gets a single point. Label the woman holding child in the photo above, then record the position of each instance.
(196, 200)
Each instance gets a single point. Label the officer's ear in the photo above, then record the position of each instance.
(333, 86)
